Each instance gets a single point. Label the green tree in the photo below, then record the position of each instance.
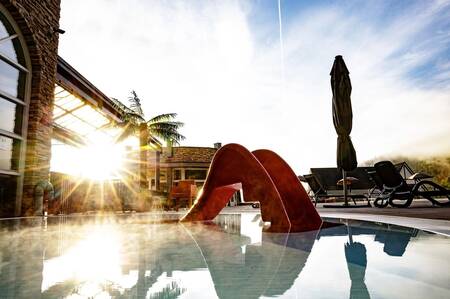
(163, 127)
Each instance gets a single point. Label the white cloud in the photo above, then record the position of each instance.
(203, 61)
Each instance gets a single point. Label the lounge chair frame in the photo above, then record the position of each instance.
(318, 191)
(402, 191)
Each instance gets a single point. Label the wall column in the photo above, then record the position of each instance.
(143, 160)
(157, 170)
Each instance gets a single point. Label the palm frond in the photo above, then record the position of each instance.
(177, 124)
(167, 135)
(166, 126)
(133, 118)
(135, 104)
(162, 126)
(163, 117)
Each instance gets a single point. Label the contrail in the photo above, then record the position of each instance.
(281, 41)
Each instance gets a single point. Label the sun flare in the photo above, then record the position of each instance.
(101, 160)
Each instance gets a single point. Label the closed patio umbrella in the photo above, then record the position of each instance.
(342, 118)
(356, 257)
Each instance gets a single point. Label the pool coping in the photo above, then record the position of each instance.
(437, 226)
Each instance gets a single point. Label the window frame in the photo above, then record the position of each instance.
(197, 169)
(183, 174)
(25, 103)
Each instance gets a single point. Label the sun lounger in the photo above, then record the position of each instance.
(323, 183)
(317, 191)
(396, 188)
(378, 184)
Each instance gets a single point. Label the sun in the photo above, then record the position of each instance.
(101, 160)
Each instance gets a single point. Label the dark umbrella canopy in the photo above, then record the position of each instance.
(342, 114)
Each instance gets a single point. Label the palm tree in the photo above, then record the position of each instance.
(162, 126)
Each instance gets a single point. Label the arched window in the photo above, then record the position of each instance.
(13, 104)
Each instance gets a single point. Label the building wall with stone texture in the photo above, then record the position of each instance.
(37, 20)
(181, 158)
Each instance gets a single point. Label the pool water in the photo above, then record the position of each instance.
(140, 256)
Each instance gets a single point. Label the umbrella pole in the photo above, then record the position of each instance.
(344, 176)
(350, 236)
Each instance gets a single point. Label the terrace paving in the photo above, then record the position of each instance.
(420, 215)
(419, 209)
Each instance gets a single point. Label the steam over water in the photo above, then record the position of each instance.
(138, 256)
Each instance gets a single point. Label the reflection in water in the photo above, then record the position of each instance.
(21, 256)
(136, 257)
(265, 269)
(94, 259)
(172, 290)
(355, 254)
(394, 238)
(395, 242)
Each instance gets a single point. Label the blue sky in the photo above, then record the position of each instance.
(434, 34)
(220, 65)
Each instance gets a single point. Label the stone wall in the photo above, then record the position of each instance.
(189, 154)
(37, 21)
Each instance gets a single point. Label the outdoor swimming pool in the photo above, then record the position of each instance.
(136, 256)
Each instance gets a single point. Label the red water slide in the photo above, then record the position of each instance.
(263, 176)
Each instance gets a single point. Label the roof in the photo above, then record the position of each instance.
(190, 154)
(81, 109)
(70, 79)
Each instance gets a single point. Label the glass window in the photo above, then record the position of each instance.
(177, 174)
(10, 116)
(91, 116)
(10, 47)
(195, 174)
(4, 31)
(8, 153)
(11, 80)
(57, 112)
(68, 102)
(7, 49)
(74, 124)
(8, 187)
(162, 176)
(12, 85)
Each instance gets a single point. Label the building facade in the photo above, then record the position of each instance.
(45, 103)
(28, 59)
(43, 100)
(181, 163)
